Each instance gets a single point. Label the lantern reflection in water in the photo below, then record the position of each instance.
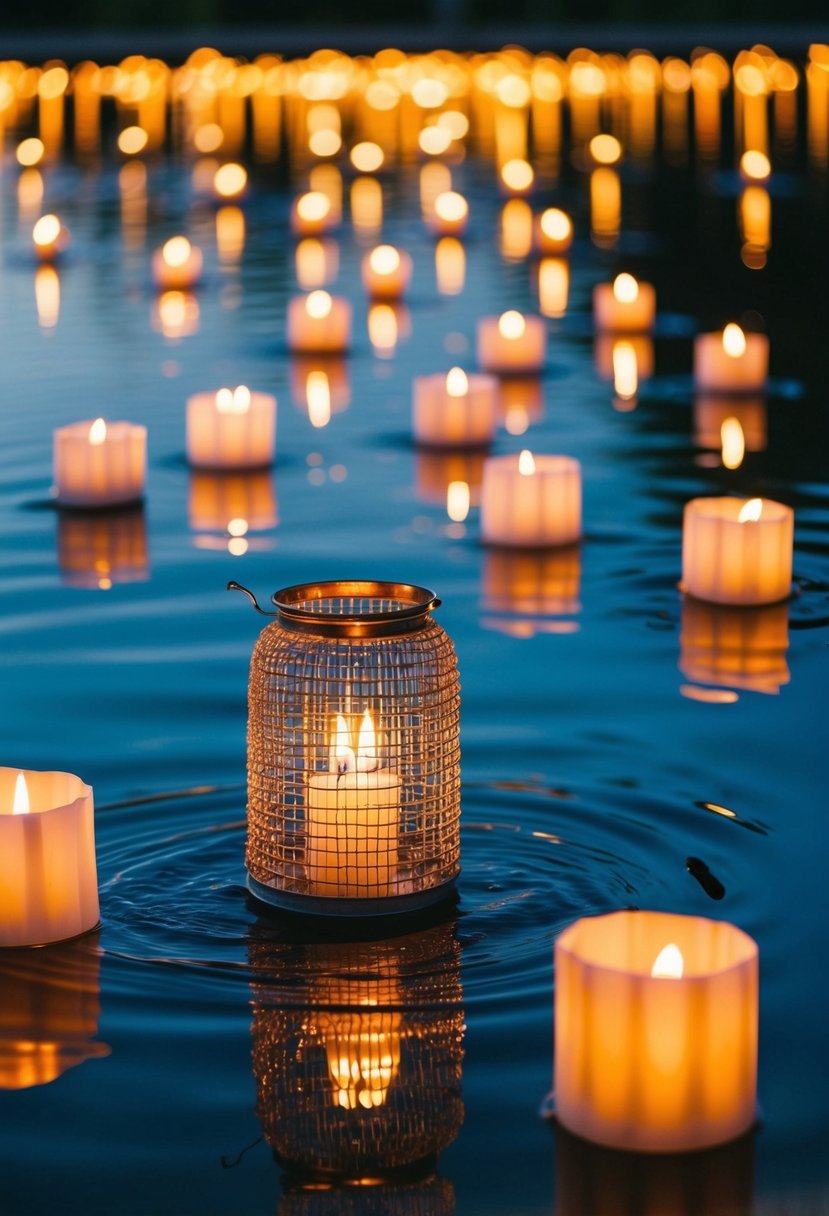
(431, 1196)
(224, 508)
(359, 1078)
(740, 648)
(49, 1011)
(102, 548)
(526, 592)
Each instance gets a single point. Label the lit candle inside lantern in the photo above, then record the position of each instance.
(449, 215)
(177, 265)
(553, 232)
(231, 429)
(512, 342)
(99, 464)
(737, 551)
(531, 502)
(319, 324)
(624, 306)
(386, 272)
(455, 410)
(48, 879)
(312, 214)
(732, 361)
(353, 818)
(49, 238)
(638, 1063)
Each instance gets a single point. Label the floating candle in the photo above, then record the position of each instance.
(49, 238)
(312, 214)
(731, 361)
(48, 879)
(231, 429)
(99, 464)
(319, 324)
(386, 272)
(531, 501)
(639, 1063)
(512, 342)
(449, 215)
(177, 265)
(625, 305)
(455, 410)
(737, 551)
(553, 232)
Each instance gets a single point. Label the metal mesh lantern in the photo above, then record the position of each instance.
(353, 751)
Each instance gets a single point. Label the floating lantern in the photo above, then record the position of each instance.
(99, 464)
(97, 549)
(553, 286)
(48, 877)
(353, 758)
(319, 323)
(312, 214)
(743, 648)
(230, 181)
(624, 306)
(177, 265)
(49, 238)
(553, 232)
(737, 551)
(455, 410)
(449, 215)
(638, 1063)
(231, 429)
(732, 361)
(511, 343)
(531, 502)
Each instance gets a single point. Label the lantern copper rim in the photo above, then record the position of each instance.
(354, 607)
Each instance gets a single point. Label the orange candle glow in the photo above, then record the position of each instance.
(639, 1063)
(386, 272)
(99, 464)
(312, 214)
(449, 215)
(231, 429)
(49, 238)
(511, 343)
(729, 647)
(731, 361)
(319, 324)
(455, 410)
(737, 551)
(48, 878)
(177, 265)
(624, 306)
(531, 502)
(553, 231)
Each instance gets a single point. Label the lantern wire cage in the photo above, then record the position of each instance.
(353, 751)
(359, 1076)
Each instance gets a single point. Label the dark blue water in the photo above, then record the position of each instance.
(599, 771)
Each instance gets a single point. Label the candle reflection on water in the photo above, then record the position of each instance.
(739, 648)
(99, 549)
(524, 593)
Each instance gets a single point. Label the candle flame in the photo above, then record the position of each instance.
(556, 224)
(318, 304)
(47, 230)
(367, 157)
(233, 401)
(314, 206)
(733, 442)
(384, 259)
(755, 165)
(511, 324)
(457, 501)
(526, 463)
(20, 806)
(517, 175)
(605, 149)
(176, 251)
(457, 382)
(318, 396)
(343, 760)
(30, 152)
(625, 288)
(451, 206)
(367, 760)
(230, 180)
(669, 963)
(751, 511)
(97, 432)
(733, 340)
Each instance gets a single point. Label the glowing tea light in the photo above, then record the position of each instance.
(177, 265)
(367, 157)
(434, 141)
(737, 551)
(29, 152)
(132, 141)
(455, 410)
(605, 149)
(312, 214)
(624, 306)
(732, 361)
(231, 429)
(517, 176)
(449, 215)
(49, 238)
(353, 818)
(755, 166)
(230, 181)
(531, 502)
(511, 343)
(48, 878)
(637, 1065)
(319, 323)
(386, 272)
(553, 232)
(99, 464)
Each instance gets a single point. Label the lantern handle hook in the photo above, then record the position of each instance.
(234, 586)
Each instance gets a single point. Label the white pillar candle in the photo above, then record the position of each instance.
(624, 306)
(386, 272)
(553, 232)
(353, 820)
(48, 878)
(177, 265)
(319, 324)
(454, 410)
(99, 464)
(531, 502)
(737, 551)
(231, 429)
(656, 1031)
(312, 214)
(731, 361)
(49, 238)
(511, 343)
(449, 215)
